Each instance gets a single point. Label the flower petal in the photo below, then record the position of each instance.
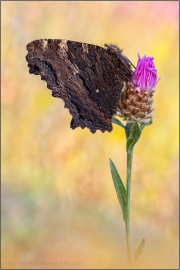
(145, 74)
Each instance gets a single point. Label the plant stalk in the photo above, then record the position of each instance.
(128, 206)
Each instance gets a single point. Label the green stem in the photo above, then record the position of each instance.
(128, 206)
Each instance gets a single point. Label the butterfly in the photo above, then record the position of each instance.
(87, 77)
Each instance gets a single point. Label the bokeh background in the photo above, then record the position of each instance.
(59, 206)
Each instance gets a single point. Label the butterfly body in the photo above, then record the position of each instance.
(88, 78)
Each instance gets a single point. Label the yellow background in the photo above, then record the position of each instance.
(59, 206)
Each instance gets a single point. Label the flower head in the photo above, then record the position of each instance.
(145, 74)
(136, 100)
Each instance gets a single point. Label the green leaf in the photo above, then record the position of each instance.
(134, 134)
(142, 126)
(139, 250)
(128, 128)
(117, 122)
(119, 186)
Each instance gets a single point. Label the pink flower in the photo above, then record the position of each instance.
(145, 74)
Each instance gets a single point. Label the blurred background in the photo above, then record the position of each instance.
(59, 206)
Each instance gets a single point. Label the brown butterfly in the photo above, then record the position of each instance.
(88, 78)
